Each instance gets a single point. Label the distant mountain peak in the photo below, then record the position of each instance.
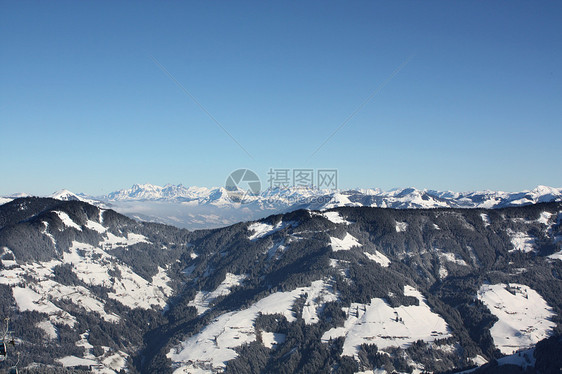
(65, 195)
(202, 207)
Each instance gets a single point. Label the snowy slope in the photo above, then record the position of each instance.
(66, 195)
(4, 200)
(209, 350)
(333, 282)
(62, 300)
(524, 316)
(344, 244)
(379, 323)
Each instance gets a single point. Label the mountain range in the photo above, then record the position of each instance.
(201, 207)
(342, 290)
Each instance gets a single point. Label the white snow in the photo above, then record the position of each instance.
(544, 218)
(521, 241)
(261, 229)
(401, 226)
(70, 361)
(9, 263)
(473, 256)
(189, 270)
(556, 256)
(135, 292)
(343, 268)
(197, 208)
(203, 299)
(92, 265)
(113, 241)
(443, 272)
(42, 290)
(11, 276)
(378, 323)
(335, 217)
(485, 219)
(67, 221)
(93, 225)
(49, 329)
(479, 360)
(272, 339)
(78, 295)
(212, 347)
(5, 200)
(49, 235)
(344, 244)
(318, 294)
(276, 249)
(8, 258)
(524, 316)
(161, 280)
(337, 200)
(110, 362)
(522, 359)
(451, 257)
(378, 258)
(29, 300)
(133, 238)
(115, 362)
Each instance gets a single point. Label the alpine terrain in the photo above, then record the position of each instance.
(343, 290)
(203, 208)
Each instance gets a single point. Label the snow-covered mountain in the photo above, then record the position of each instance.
(63, 195)
(66, 195)
(345, 290)
(152, 192)
(326, 199)
(202, 207)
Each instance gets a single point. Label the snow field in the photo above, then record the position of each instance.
(524, 316)
(272, 339)
(378, 323)
(401, 226)
(210, 349)
(110, 362)
(49, 329)
(261, 229)
(29, 300)
(521, 241)
(67, 221)
(335, 217)
(93, 265)
(344, 244)
(203, 299)
(378, 257)
(453, 258)
(485, 219)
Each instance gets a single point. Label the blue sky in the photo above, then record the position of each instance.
(84, 106)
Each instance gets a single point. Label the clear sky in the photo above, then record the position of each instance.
(476, 103)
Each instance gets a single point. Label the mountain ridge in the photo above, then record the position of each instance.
(202, 207)
(268, 294)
